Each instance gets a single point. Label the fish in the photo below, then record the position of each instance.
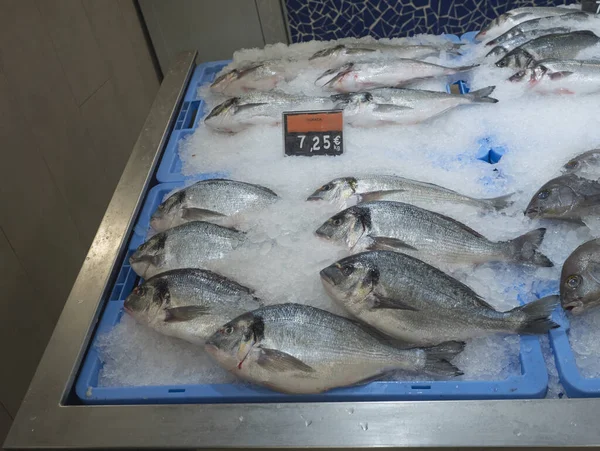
(580, 279)
(506, 21)
(294, 348)
(391, 187)
(353, 77)
(210, 200)
(429, 236)
(260, 108)
(189, 245)
(259, 76)
(562, 76)
(412, 301)
(541, 26)
(340, 54)
(567, 197)
(585, 165)
(522, 38)
(190, 304)
(403, 106)
(556, 46)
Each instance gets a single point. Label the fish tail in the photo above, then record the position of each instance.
(499, 203)
(482, 95)
(437, 360)
(535, 316)
(523, 249)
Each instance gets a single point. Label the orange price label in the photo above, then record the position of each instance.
(310, 133)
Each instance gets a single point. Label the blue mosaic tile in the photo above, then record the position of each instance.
(335, 19)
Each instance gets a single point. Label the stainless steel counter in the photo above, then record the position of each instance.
(46, 420)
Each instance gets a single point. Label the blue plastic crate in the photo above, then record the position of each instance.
(191, 112)
(575, 385)
(531, 383)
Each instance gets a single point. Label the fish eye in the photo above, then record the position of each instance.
(140, 290)
(543, 194)
(228, 330)
(327, 187)
(347, 270)
(336, 221)
(573, 281)
(572, 164)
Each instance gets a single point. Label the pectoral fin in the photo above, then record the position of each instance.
(394, 244)
(278, 361)
(186, 313)
(378, 301)
(379, 195)
(199, 214)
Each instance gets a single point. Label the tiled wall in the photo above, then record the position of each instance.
(334, 19)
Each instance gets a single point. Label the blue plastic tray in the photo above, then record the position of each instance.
(531, 383)
(575, 385)
(190, 114)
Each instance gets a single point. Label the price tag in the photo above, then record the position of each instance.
(311, 133)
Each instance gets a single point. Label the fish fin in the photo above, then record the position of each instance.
(354, 50)
(186, 313)
(591, 200)
(560, 75)
(464, 68)
(389, 108)
(199, 214)
(248, 69)
(246, 106)
(523, 249)
(537, 315)
(438, 357)
(378, 301)
(274, 360)
(482, 95)
(385, 375)
(386, 243)
(501, 202)
(378, 195)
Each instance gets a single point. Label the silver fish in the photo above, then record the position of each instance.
(190, 304)
(506, 21)
(403, 106)
(566, 197)
(586, 165)
(541, 25)
(429, 236)
(377, 74)
(562, 76)
(295, 348)
(332, 57)
(210, 200)
(556, 46)
(391, 187)
(522, 38)
(580, 279)
(410, 300)
(260, 76)
(189, 245)
(260, 108)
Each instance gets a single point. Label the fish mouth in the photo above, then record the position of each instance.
(532, 212)
(313, 197)
(574, 307)
(331, 275)
(518, 77)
